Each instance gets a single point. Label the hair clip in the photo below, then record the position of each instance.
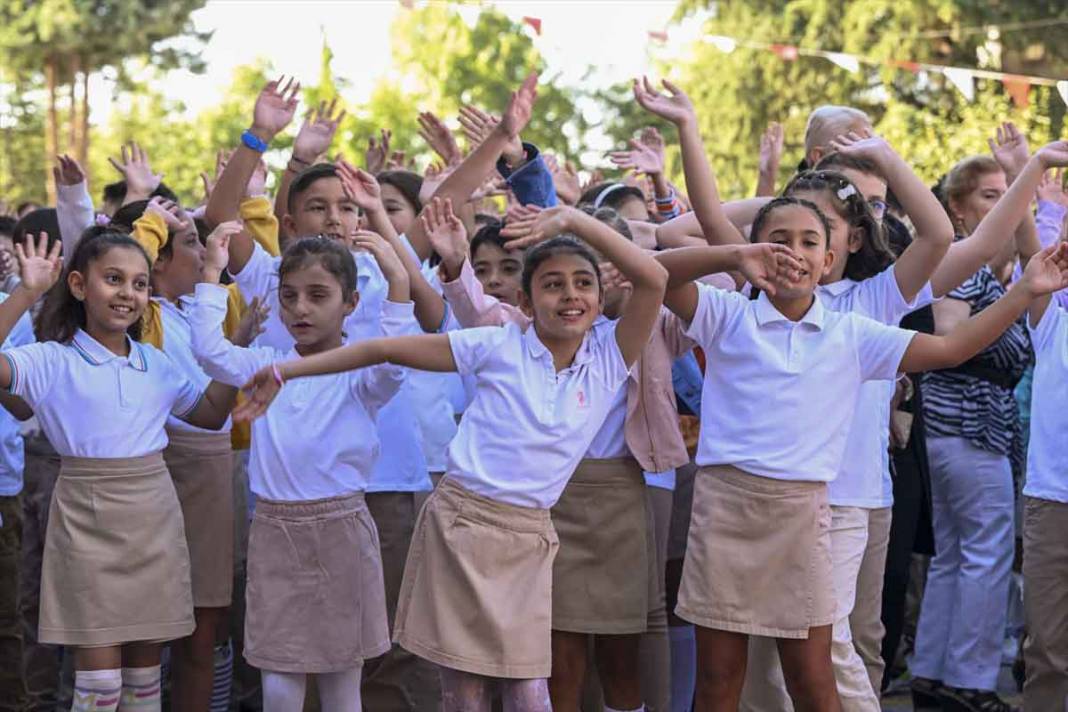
(102, 219)
(846, 191)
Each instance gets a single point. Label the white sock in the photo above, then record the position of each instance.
(140, 689)
(222, 678)
(340, 690)
(283, 691)
(96, 690)
(683, 667)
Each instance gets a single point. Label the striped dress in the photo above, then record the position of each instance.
(958, 404)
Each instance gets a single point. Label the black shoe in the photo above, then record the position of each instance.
(956, 699)
(925, 693)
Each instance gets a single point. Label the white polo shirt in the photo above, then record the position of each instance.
(92, 403)
(864, 478)
(528, 426)
(178, 345)
(318, 439)
(401, 466)
(1047, 453)
(779, 395)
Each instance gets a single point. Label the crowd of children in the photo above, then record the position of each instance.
(492, 438)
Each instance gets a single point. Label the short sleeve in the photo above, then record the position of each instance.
(471, 347)
(259, 275)
(34, 368)
(186, 394)
(1054, 321)
(714, 308)
(880, 348)
(609, 358)
(880, 298)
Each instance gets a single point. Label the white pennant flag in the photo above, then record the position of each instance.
(963, 79)
(846, 61)
(1062, 89)
(723, 44)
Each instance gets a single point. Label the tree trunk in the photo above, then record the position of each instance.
(83, 144)
(51, 128)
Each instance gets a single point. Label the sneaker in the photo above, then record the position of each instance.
(956, 699)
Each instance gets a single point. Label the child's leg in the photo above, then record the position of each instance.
(569, 669)
(141, 677)
(464, 691)
(526, 696)
(617, 664)
(97, 679)
(340, 690)
(193, 662)
(721, 660)
(283, 691)
(806, 665)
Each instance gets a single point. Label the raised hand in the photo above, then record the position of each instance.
(641, 158)
(360, 186)
(169, 211)
(1010, 150)
(68, 171)
(259, 392)
(476, 124)
(439, 138)
(217, 252)
(317, 132)
(374, 158)
(251, 324)
(771, 148)
(1051, 189)
(532, 225)
(9, 264)
(1054, 155)
(141, 182)
(520, 107)
(862, 144)
(676, 107)
(445, 231)
(1047, 272)
(387, 258)
(38, 265)
(768, 266)
(565, 179)
(396, 162)
(611, 277)
(275, 107)
(221, 159)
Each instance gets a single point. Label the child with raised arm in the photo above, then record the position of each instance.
(477, 590)
(312, 536)
(116, 579)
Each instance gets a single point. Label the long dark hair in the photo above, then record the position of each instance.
(874, 254)
(559, 245)
(61, 314)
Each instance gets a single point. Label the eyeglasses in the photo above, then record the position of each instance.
(878, 207)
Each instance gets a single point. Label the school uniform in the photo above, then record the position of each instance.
(201, 465)
(116, 565)
(760, 508)
(477, 587)
(1045, 562)
(315, 596)
(860, 496)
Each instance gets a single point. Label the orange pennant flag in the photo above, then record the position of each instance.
(1019, 89)
(534, 22)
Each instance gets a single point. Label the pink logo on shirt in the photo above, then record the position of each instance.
(582, 401)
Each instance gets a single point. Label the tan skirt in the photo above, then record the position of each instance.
(315, 601)
(758, 559)
(601, 519)
(477, 588)
(201, 465)
(116, 566)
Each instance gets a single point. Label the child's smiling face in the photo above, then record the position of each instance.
(800, 229)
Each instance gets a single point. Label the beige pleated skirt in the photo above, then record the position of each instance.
(315, 600)
(477, 588)
(600, 584)
(758, 558)
(116, 566)
(201, 465)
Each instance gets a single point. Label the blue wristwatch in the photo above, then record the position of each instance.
(253, 141)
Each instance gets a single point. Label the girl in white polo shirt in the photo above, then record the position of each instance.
(476, 596)
(758, 558)
(315, 599)
(116, 580)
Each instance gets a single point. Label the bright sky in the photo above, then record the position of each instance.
(612, 37)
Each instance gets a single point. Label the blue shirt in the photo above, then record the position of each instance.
(532, 182)
(12, 459)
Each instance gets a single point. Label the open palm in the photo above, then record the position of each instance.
(768, 266)
(275, 106)
(317, 132)
(1010, 149)
(39, 266)
(1047, 272)
(675, 106)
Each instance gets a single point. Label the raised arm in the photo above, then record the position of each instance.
(1046, 273)
(700, 182)
(40, 268)
(771, 146)
(74, 206)
(966, 256)
(274, 109)
(934, 231)
(646, 276)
